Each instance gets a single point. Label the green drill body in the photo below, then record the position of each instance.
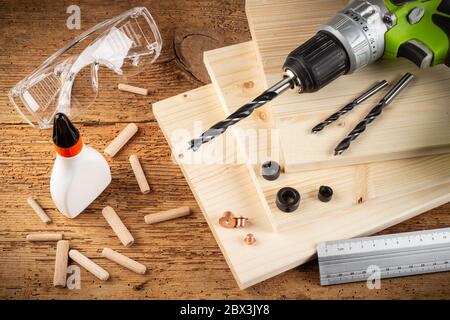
(432, 30)
(360, 34)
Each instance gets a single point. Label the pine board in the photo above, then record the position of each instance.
(220, 185)
(352, 185)
(183, 258)
(417, 123)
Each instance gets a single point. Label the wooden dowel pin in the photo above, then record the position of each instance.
(39, 211)
(132, 89)
(167, 215)
(124, 136)
(45, 236)
(89, 265)
(124, 261)
(62, 258)
(118, 227)
(139, 174)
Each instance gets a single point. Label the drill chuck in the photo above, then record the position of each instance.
(349, 41)
(317, 62)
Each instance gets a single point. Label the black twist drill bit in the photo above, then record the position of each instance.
(366, 95)
(375, 112)
(241, 113)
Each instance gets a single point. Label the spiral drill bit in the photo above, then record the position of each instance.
(366, 95)
(375, 112)
(242, 113)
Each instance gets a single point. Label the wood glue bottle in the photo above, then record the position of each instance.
(80, 173)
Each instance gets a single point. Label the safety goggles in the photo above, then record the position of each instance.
(68, 80)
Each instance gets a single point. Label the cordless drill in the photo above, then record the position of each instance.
(363, 32)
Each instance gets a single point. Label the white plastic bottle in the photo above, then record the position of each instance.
(80, 173)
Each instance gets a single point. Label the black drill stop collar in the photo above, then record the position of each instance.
(325, 193)
(270, 170)
(288, 199)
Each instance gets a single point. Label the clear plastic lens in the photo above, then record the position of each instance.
(145, 46)
(36, 100)
(82, 95)
(68, 81)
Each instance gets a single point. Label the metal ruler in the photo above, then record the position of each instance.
(393, 255)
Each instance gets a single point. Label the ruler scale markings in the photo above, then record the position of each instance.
(386, 252)
(356, 277)
(395, 255)
(391, 252)
(338, 246)
(387, 263)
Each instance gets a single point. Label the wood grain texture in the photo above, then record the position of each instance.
(184, 260)
(235, 85)
(34, 30)
(231, 187)
(352, 185)
(416, 123)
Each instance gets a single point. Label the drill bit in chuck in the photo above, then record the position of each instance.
(375, 112)
(366, 95)
(242, 113)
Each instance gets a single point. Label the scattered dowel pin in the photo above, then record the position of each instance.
(167, 215)
(132, 89)
(139, 174)
(62, 257)
(124, 136)
(118, 227)
(89, 265)
(124, 261)
(44, 236)
(39, 211)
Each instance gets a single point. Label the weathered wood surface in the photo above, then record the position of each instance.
(182, 257)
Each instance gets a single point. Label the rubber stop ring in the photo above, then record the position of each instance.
(270, 170)
(325, 193)
(288, 199)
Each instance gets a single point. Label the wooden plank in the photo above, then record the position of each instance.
(417, 123)
(352, 185)
(256, 136)
(219, 187)
(234, 86)
(183, 258)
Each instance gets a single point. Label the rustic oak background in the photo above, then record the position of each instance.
(183, 259)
